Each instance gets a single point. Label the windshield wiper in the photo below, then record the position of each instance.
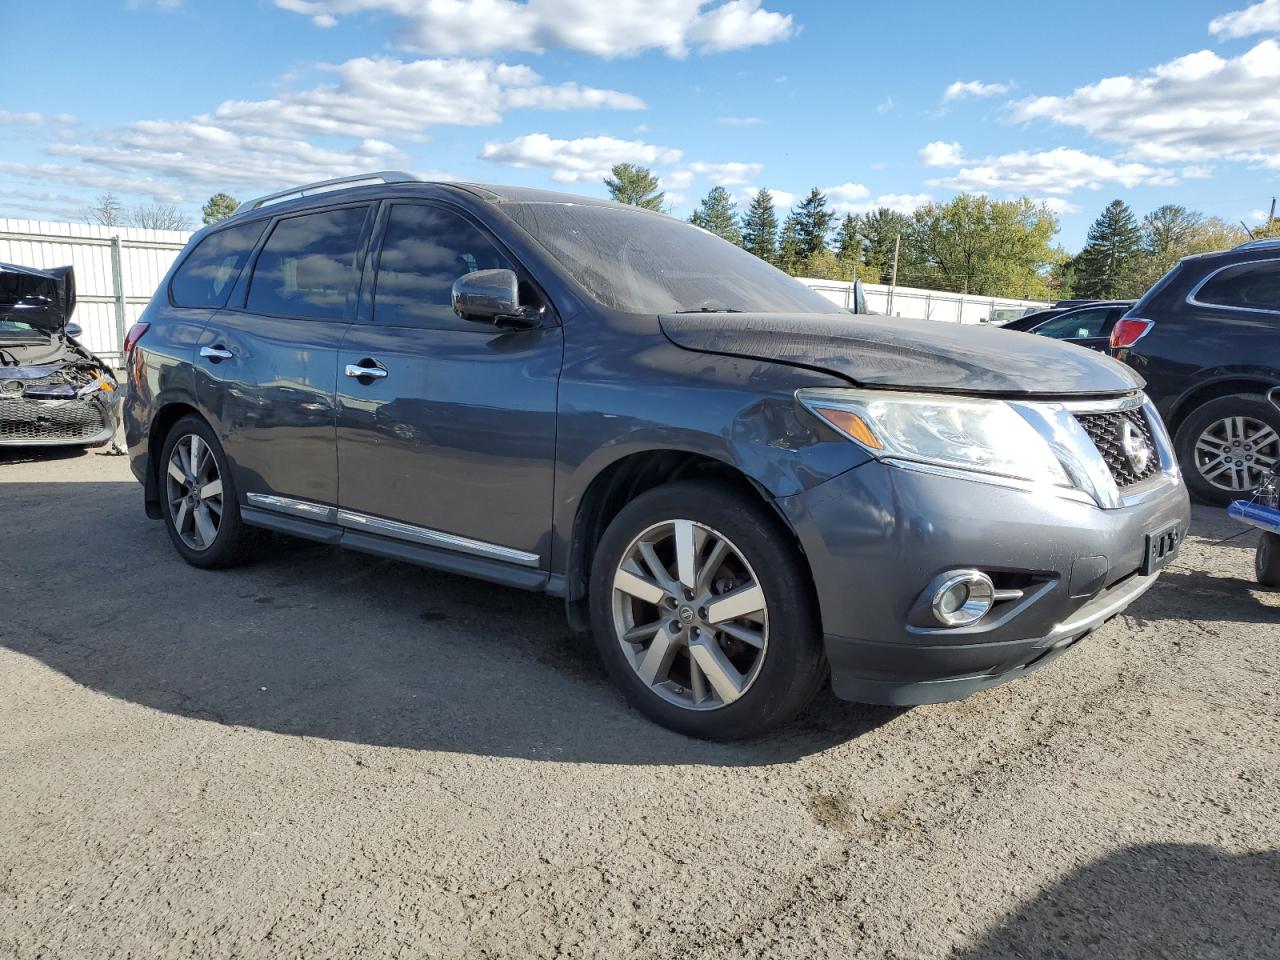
(713, 310)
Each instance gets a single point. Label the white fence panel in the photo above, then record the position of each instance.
(117, 269)
(921, 304)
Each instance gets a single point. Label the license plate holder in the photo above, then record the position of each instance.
(1161, 547)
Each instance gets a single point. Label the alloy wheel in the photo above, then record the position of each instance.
(690, 615)
(1235, 454)
(194, 490)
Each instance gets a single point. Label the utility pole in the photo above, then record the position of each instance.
(893, 277)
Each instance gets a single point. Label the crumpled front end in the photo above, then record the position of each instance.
(72, 404)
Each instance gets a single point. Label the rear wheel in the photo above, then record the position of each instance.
(703, 613)
(1266, 561)
(1228, 445)
(201, 512)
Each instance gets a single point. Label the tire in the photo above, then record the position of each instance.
(775, 653)
(232, 542)
(1266, 562)
(1228, 424)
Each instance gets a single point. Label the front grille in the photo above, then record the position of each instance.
(32, 421)
(1105, 430)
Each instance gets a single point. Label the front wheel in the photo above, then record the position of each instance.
(703, 612)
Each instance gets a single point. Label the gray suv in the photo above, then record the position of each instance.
(737, 486)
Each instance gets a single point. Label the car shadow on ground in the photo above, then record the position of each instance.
(316, 641)
(1147, 901)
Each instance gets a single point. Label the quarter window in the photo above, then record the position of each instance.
(424, 250)
(206, 277)
(307, 269)
(1249, 286)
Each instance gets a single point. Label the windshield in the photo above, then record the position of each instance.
(640, 263)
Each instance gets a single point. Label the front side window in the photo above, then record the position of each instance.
(424, 250)
(307, 269)
(637, 262)
(1249, 286)
(1074, 326)
(206, 277)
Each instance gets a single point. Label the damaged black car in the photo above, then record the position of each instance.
(52, 390)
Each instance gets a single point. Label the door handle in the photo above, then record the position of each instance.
(371, 372)
(216, 353)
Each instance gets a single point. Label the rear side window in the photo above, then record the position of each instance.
(1248, 286)
(307, 268)
(1082, 323)
(206, 277)
(424, 250)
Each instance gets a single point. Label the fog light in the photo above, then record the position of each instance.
(962, 598)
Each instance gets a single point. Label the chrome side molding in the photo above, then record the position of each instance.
(392, 528)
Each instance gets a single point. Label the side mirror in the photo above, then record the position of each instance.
(491, 296)
(859, 297)
(72, 330)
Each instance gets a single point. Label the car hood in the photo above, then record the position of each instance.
(42, 298)
(907, 354)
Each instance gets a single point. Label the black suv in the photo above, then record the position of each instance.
(736, 484)
(1207, 339)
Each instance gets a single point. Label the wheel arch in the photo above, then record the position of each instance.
(1221, 386)
(620, 482)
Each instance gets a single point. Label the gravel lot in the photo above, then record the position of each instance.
(329, 755)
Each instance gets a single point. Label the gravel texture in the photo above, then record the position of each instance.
(330, 755)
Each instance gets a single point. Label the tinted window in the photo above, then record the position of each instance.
(1082, 323)
(307, 268)
(642, 263)
(424, 250)
(1252, 286)
(206, 277)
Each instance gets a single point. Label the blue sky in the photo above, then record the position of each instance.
(1152, 101)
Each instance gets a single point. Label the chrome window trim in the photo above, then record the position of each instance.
(301, 508)
(434, 538)
(1193, 301)
(392, 528)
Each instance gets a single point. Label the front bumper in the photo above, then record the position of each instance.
(876, 535)
(89, 421)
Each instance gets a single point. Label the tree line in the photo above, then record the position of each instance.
(969, 244)
(108, 211)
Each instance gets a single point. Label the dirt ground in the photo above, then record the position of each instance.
(330, 755)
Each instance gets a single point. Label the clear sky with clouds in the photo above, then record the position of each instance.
(1151, 101)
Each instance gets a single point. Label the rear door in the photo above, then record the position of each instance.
(266, 367)
(453, 432)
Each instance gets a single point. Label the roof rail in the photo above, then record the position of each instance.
(1263, 243)
(321, 186)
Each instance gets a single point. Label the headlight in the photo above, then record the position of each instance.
(962, 433)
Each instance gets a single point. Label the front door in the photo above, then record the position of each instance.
(451, 433)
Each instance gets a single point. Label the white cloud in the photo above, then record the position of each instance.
(885, 105)
(973, 88)
(576, 161)
(373, 97)
(782, 199)
(730, 174)
(617, 28)
(1195, 108)
(941, 154)
(845, 197)
(33, 119)
(741, 121)
(1059, 205)
(1262, 17)
(1058, 171)
(900, 202)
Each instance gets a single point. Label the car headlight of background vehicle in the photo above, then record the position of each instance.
(987, 437)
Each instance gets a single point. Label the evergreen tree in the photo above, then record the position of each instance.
(848, 242)
(814, 223)
(760, 227)
(1109, 265)
(719, 214)
(880, 229)
(790, 257)
(219, 207)
(635, 185)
